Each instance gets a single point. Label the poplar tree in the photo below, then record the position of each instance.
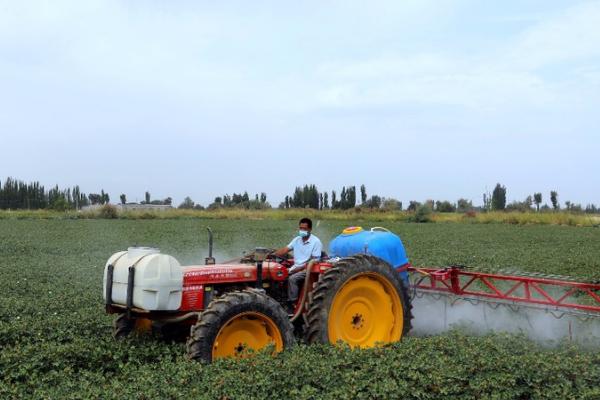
(499, 198)
(363, 194)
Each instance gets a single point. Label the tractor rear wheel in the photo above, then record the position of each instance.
(362, 301)
(123, 326)
(237, 322)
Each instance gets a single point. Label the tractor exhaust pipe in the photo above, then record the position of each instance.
(210, 260)
(260, 255)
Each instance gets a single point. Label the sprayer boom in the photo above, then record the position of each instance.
(557, 295)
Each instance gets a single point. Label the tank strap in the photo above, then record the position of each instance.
(130, 284)
(109, 281)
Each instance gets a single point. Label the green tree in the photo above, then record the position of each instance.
(487, 201)
(60, 204)
(413, 205)
(351, 197)
(123, 198)
(499, 198)
(422, 214)
(464, 205)
(391, 204)
(147, 196)
(325, 200)
(554, 200)
(313, 197)
(363, 194)
(537, 199)
(188, 203)
(430, 203)
(374, 202)
(94, 198)
(105, 198)
(444, 206)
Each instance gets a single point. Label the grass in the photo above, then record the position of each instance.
(357, 215)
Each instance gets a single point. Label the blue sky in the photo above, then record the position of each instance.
(415, 99)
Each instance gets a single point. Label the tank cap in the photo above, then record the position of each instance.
(352, 230)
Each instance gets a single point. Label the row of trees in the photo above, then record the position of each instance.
(497, 202)
(236, 200)
(309, 196)
(16, 194)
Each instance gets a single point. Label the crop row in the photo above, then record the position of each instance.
(55, 340)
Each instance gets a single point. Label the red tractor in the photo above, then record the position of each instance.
(358, 296)
(227, 309)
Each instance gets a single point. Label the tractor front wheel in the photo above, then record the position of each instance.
(239, 322)
(362, 301)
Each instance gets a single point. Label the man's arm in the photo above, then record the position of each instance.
(284, 250)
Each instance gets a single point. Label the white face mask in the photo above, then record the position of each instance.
(303, 234)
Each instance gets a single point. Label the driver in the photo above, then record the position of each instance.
(306, 247)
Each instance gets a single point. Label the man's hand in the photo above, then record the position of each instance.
(281, 252)
(295, 270)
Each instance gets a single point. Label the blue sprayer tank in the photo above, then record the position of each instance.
(378, 242)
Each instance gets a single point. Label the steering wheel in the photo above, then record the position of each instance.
(279, 259)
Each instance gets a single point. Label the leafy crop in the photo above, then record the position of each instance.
(55, 340)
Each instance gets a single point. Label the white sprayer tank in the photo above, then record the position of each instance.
(158, 279)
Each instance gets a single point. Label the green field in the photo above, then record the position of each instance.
(356, 215)
(55, 340)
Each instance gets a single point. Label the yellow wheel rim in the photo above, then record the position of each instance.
(366, 311)
(245, 331)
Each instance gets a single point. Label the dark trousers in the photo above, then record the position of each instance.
(294, 283)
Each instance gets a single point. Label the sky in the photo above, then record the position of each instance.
(415, 99)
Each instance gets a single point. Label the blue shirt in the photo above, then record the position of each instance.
(305, 250)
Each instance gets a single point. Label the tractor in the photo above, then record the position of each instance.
(358, 295)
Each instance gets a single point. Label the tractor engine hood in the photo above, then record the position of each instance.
(231, 273)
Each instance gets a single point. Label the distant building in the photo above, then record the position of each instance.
(143, 207)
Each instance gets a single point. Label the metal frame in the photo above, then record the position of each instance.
(536, 291)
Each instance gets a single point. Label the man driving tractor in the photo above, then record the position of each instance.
(306, 247)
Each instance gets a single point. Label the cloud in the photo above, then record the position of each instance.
(568, 37)
(437, 82)
(533, 68)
